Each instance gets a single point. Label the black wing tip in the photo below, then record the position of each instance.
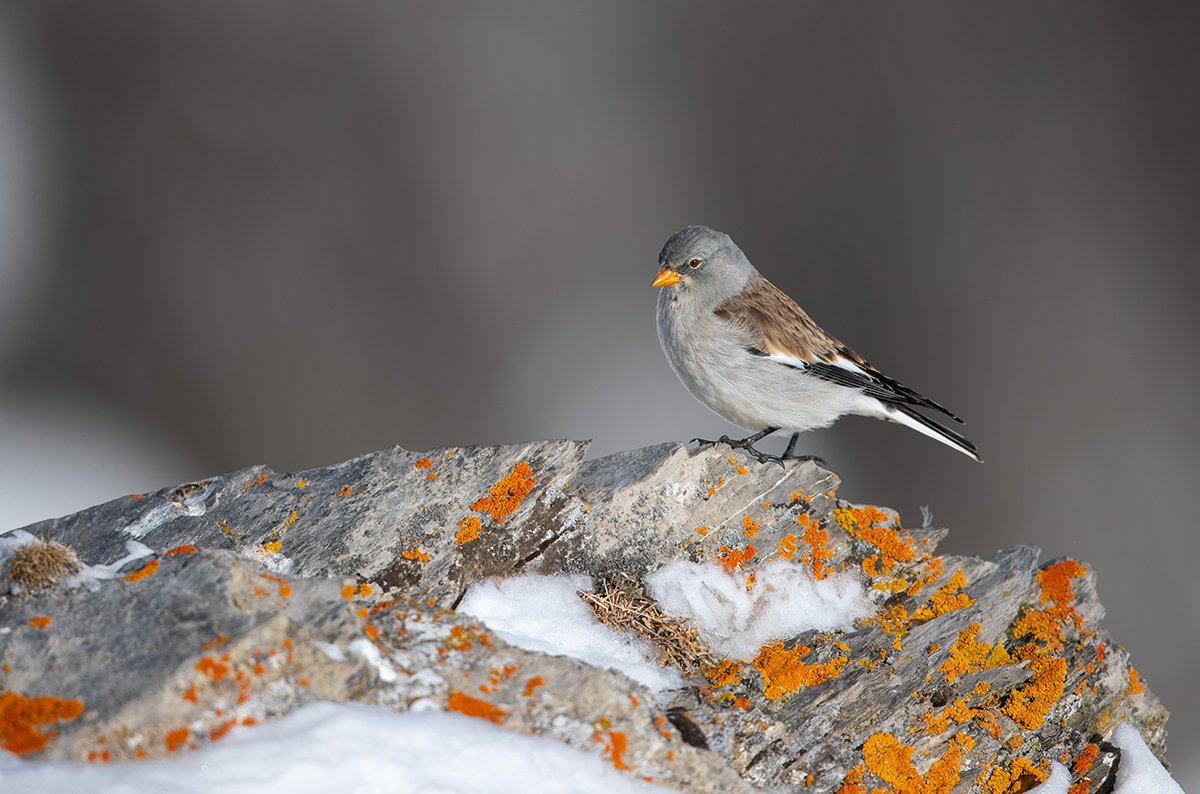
(957, 440)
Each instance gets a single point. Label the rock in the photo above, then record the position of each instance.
(233, 600)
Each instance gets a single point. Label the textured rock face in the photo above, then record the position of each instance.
(240, 597)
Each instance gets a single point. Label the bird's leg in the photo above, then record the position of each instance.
(791, 447)
(746, 444)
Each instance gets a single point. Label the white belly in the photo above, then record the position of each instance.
(750, 391)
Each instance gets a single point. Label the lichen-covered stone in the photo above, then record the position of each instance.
(260, 591)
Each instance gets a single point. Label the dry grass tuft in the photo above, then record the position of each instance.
(623, 604)
(41, 564)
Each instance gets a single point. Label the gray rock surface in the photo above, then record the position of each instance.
(233, 600)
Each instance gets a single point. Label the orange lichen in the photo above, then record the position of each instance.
(259, 480)
(968, 655)
(725, 672)
(1085, 759)
(176, 738)
(783, 671)
(348, 591)
(1028, 705)
(221, 729)
(933, 569)
(893, 620)
(214, 668)
(942, 777)
(945, 599)
(23, 720)
(1039, 625)
(532, 684)
(141, 573)
(1021, 775)
(615, 747)
(958, 712)
(345, 491)
(40, 621)
(890, 760)
(749, 526)
(285, 587)
(852, 782)
(423, 463)
(1135, 683)
(468, 530)
(270, 546)
(137, 496)
(415, 554)
(301, 483)
(863, 523)
(216, 642)
(370, 631)
(701, 531)
(1055, 581)
(474, 707)
(1048, 625)
(817, 540)
(868, 565)
(787, 546)
(464, 638)
(506, 495)
(731, 559)
(189, 694)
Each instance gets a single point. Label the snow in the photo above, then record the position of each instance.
(13, 540)
(1058, 783)
(783, 601)
(1140, 772)
(546, 614)
(350, 748)
(91, 575)
(368, 650)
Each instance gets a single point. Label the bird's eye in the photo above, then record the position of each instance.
(693, 263)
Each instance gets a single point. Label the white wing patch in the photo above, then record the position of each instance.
(791, 361)
(847, 364)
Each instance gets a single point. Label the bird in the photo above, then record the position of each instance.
(745, 350)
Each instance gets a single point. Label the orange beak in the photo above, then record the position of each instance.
(665, 278)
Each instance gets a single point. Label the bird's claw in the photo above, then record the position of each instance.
(744, 444)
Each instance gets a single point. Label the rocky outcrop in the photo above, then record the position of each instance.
(232, 600)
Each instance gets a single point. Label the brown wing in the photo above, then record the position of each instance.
(774, 325)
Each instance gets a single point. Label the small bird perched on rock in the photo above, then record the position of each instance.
(747, 351)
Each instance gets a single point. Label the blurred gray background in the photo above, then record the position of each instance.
(285, 233)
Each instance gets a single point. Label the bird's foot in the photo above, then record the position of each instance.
(787, 454)
(815, 459)
(746, 444)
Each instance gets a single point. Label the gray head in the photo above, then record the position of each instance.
(703, 264)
